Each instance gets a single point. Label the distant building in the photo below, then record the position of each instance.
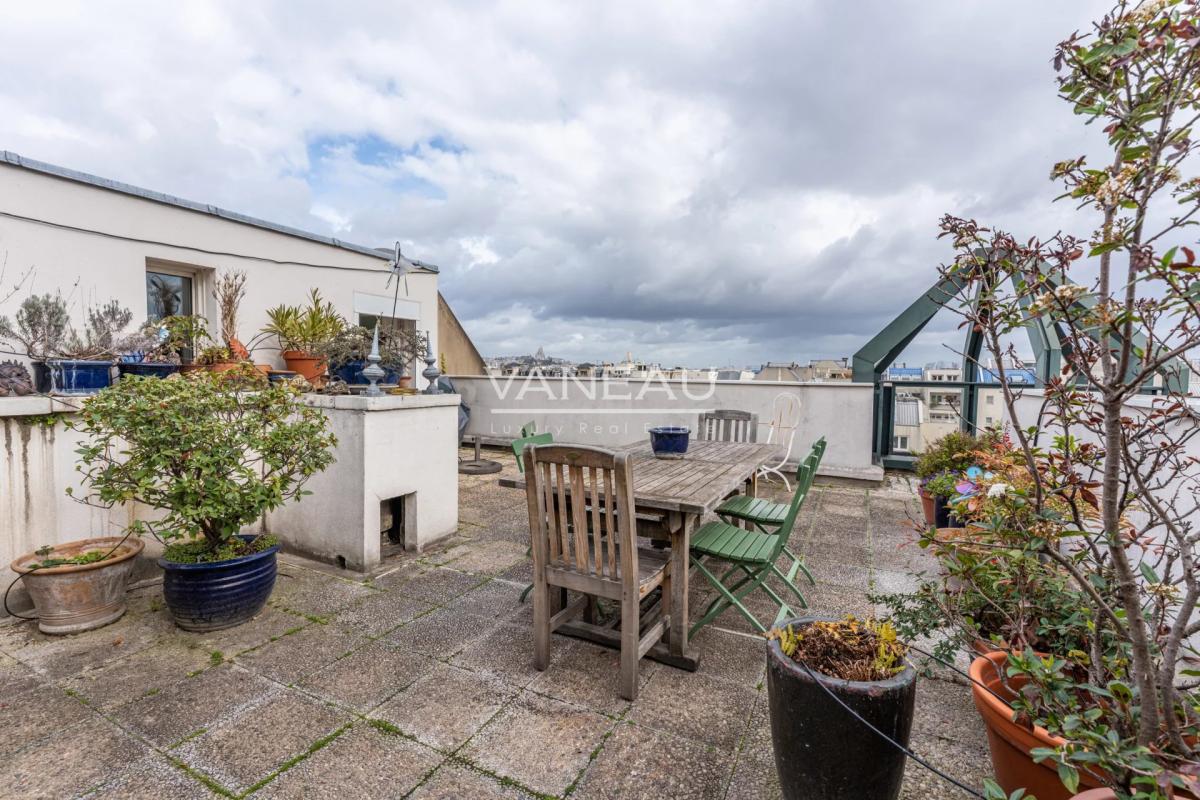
(820, 371)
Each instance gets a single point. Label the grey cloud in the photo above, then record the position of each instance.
(725, 182)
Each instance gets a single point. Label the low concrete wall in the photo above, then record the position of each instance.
(411, 447)
(611, 413)
(37, 465)
(388, 447)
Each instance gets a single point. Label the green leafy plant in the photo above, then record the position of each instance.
(953, 452)
(398, 347)
(186, 334)
(305, 328)
(211, 457)
(86, 557)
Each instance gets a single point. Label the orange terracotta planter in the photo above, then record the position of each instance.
(1010, 743)
(224, 366)
(310, 367)
(928, 506)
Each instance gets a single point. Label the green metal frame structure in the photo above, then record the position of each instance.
(873, 359)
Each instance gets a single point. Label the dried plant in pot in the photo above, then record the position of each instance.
(65, 362)
(825, 676)
(211, 459)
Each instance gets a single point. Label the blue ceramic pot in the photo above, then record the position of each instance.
(351, 373)
(71, 376)
(147, 369)
(277, 375)
(669, 442)
(209, 597)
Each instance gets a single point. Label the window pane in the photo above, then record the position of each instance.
(167, 295)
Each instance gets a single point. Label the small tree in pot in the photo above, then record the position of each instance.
(212, 460)
(1123, 466)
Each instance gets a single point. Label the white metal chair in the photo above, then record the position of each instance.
(785, 420)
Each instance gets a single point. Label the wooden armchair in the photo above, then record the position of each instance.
(572, 490)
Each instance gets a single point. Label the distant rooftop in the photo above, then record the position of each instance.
(16, 160)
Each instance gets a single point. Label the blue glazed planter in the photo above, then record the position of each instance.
(669, 442)
(71, 377)
(210, 597)
(147, 370)
(351, 373)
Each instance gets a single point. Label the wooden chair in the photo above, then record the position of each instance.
(727, 425)
(607, 564)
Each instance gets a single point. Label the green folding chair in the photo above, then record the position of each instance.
(767, 515)
(751, 556)
(518, 445)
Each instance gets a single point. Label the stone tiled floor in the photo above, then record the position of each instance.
(419, 683)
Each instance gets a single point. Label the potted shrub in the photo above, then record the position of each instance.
(302, 332)
(1112, 470)
(148, 353)
(78, 586)
(939, 467)
(821, 751)
(212, 459)
(64, 362)
(346, 353)
(187, 336)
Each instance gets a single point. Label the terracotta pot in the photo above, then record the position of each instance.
(224, 366)
(265, 369)
(928, 506)
(1010, 743)
(191, 367)
(78, 597)
(405, 382)
(306, 364)
(1097, 794)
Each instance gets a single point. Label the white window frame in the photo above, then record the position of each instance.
(201, 282)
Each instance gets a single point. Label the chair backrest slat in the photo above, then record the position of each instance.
(610, 516)
(727, 425)
(562, 482)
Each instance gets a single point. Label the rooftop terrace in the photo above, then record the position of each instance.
(419, 683)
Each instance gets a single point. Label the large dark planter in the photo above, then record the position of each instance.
(146, 369)
(821, 751)
(944, 518)
(351, 373)
(669, 442)
(71, 376)
(209, 597)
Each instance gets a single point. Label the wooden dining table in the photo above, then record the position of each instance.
(671, 496)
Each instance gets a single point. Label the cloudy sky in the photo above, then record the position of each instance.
(696, 182)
